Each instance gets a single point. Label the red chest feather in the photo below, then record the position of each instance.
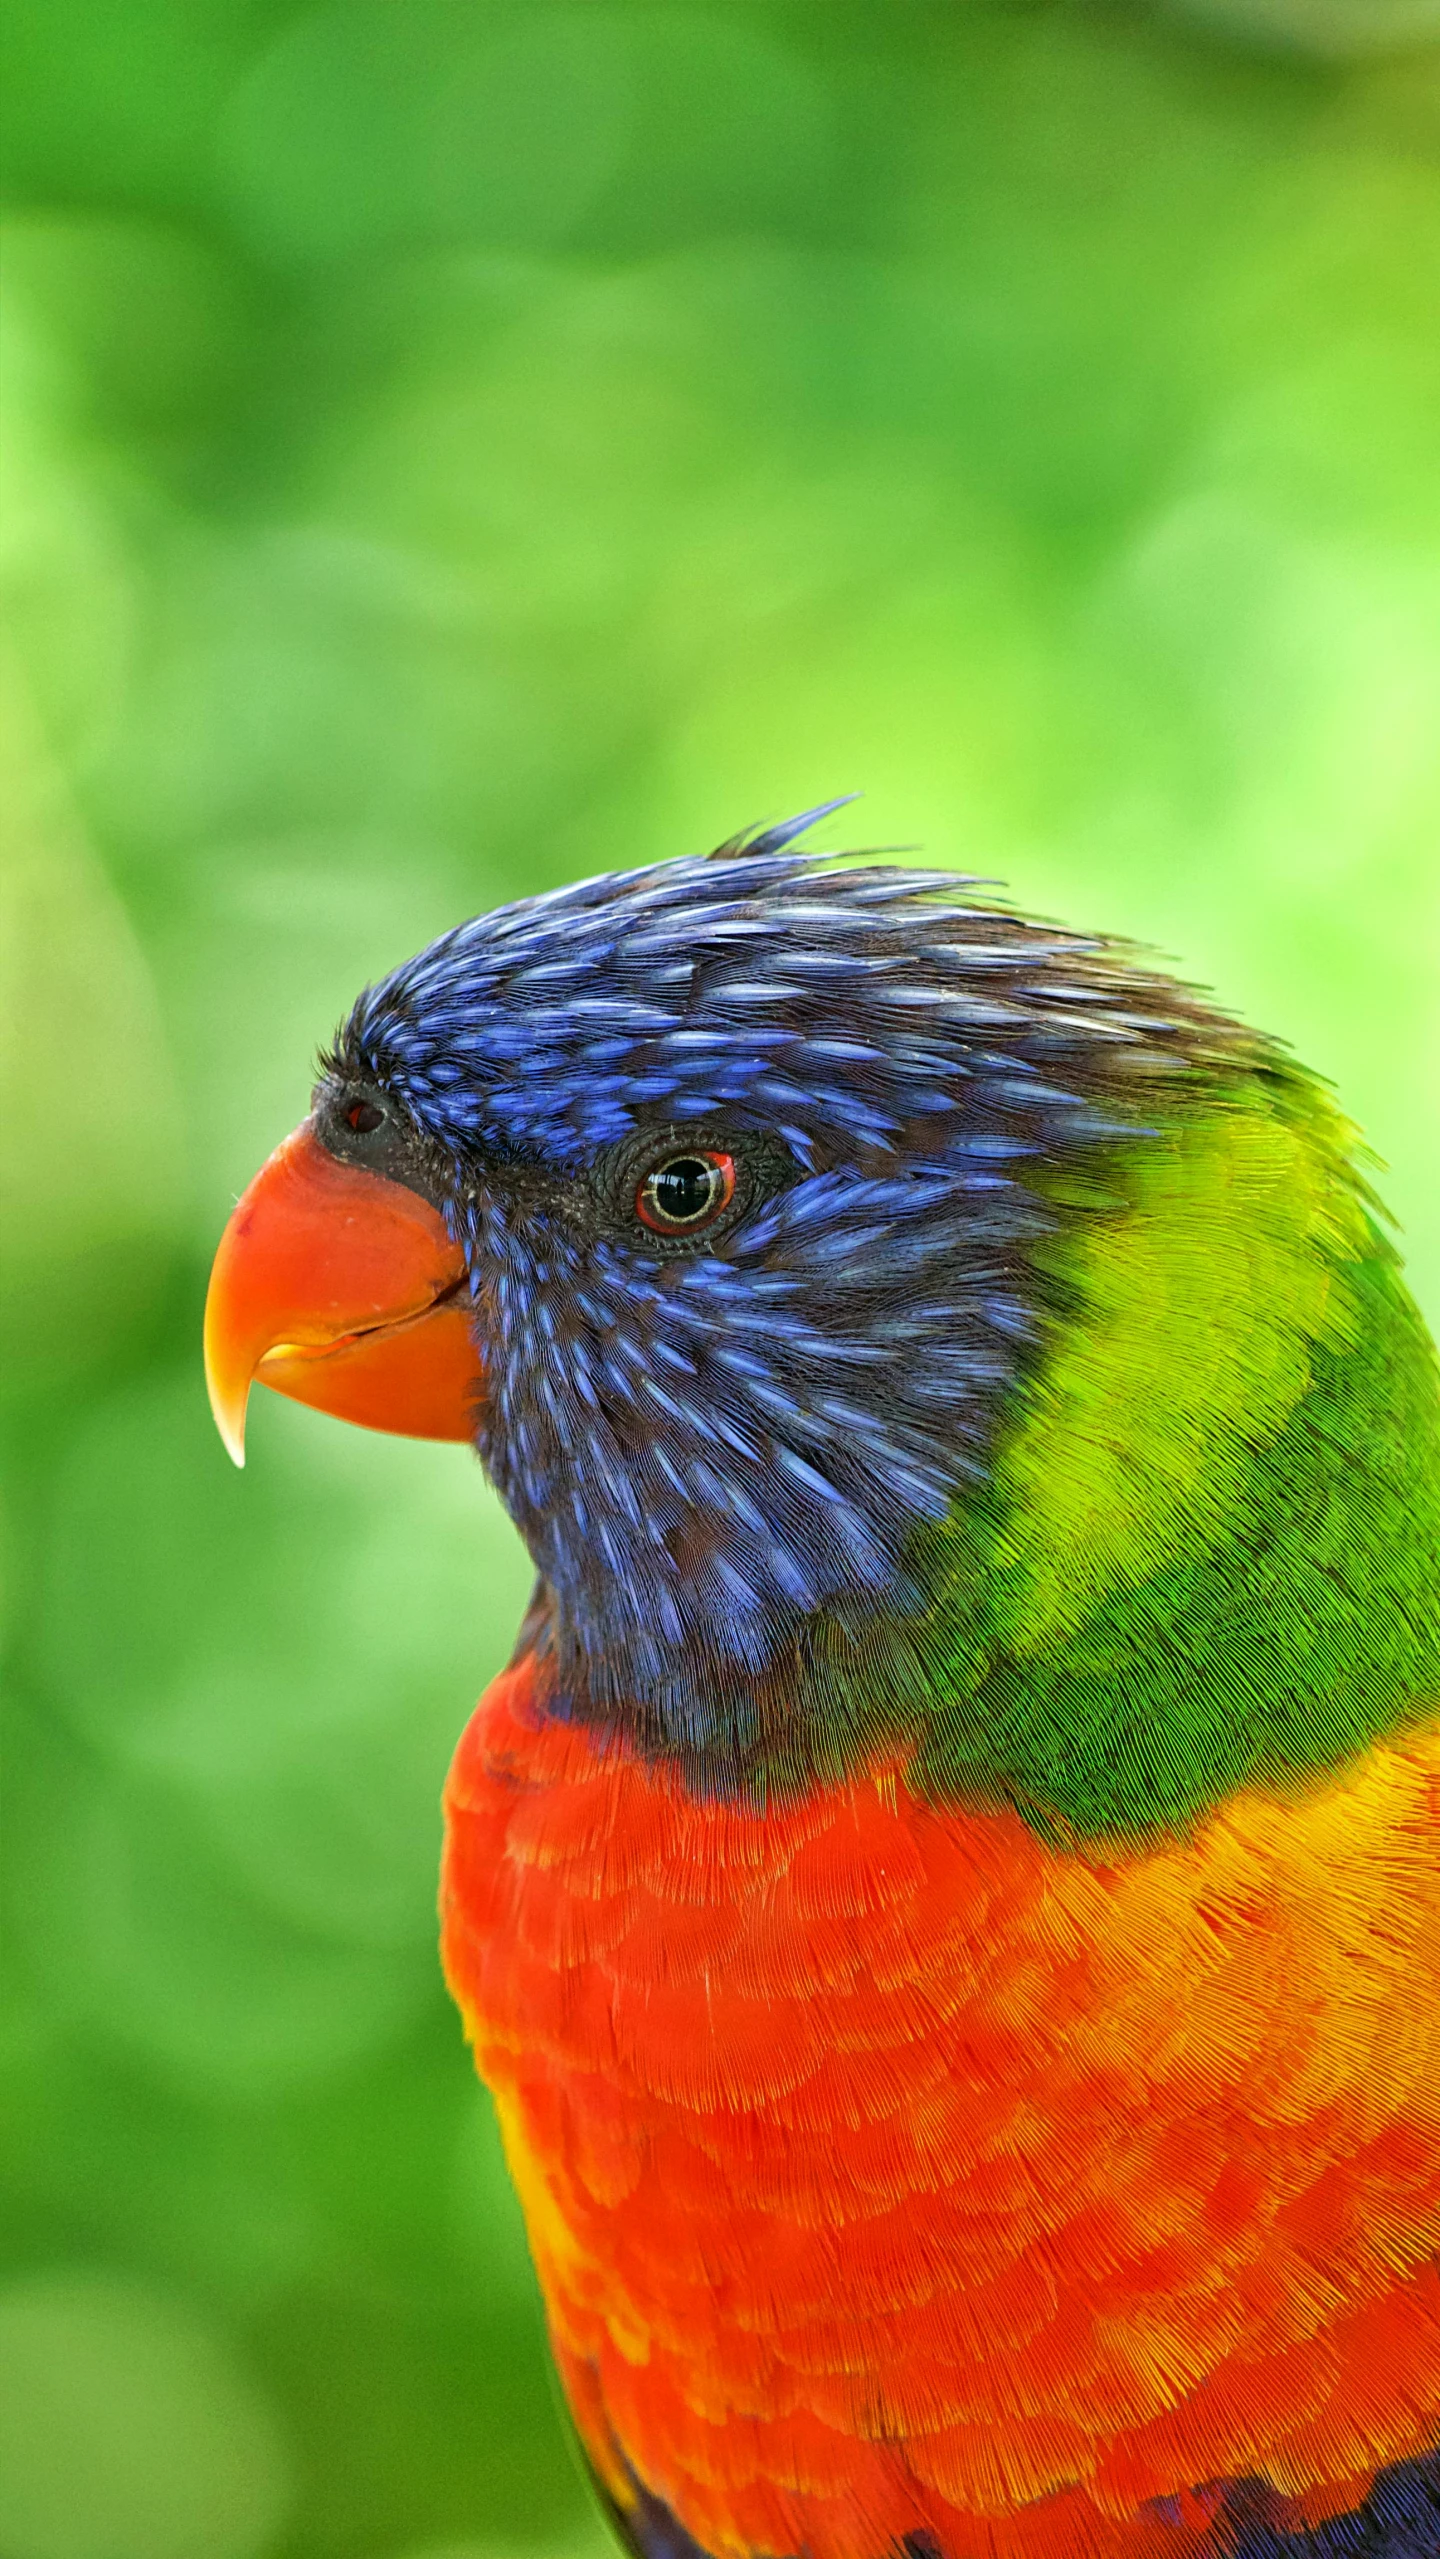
(888, 2173)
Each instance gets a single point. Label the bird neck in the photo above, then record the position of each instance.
(1208, 1553)
(1205, 1550)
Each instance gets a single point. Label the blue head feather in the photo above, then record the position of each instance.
(708, 1454)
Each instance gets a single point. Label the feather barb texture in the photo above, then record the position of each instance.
(890, 2172)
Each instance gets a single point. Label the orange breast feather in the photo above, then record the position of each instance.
(888, 2172)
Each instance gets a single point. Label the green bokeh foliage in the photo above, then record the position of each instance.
(452, 447)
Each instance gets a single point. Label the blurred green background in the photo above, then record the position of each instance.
(451, 448)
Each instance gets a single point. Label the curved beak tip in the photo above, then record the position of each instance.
(228, 1391)
(230, 1423)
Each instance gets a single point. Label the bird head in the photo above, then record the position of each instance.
(723, 1204)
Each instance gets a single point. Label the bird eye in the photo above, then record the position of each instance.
(687, 1187)
(364, 1118)
(685, 1193)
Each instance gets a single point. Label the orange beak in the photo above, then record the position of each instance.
(343, 1290)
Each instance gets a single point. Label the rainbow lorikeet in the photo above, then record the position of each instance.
(947, 1894)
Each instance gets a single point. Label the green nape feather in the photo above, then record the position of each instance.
(1209, 1553)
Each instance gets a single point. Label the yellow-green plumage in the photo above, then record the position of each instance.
(1210, 1552)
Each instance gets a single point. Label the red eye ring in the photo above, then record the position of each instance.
(686, 1192)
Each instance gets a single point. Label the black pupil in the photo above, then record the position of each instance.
(364, 1118)
(683, 1190)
